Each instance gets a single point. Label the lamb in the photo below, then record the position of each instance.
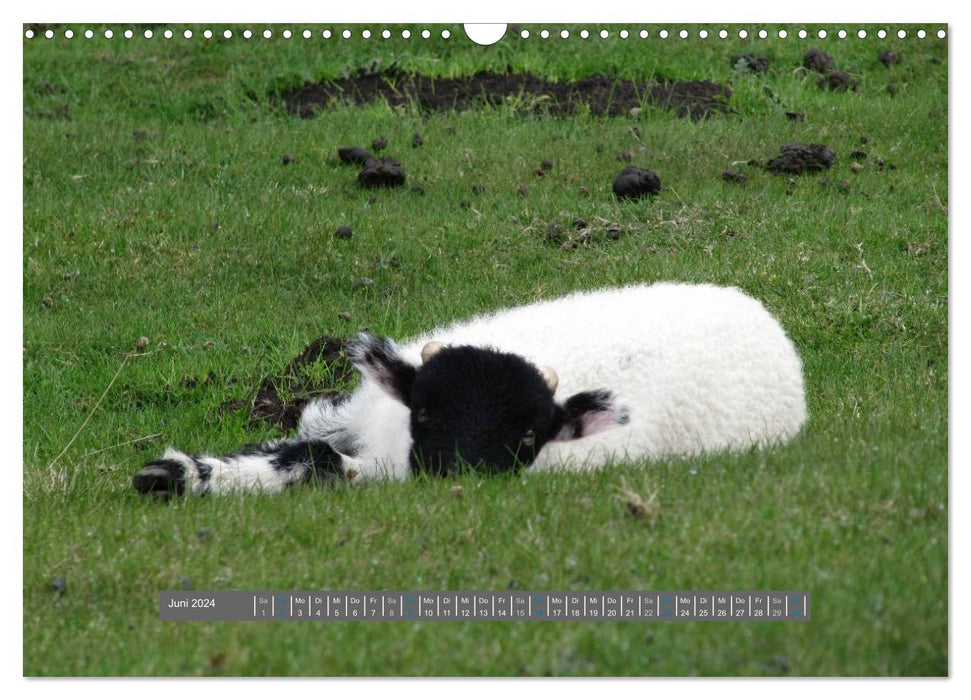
(643, 373)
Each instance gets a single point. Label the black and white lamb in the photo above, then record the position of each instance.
(639, 373)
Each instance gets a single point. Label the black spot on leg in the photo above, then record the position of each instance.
(254, 449)
(203, 470)
(162, 478)
(318, 459)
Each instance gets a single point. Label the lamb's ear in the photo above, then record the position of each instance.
(379, 360)
(588, 413)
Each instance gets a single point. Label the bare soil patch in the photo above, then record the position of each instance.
(603, 95)
(281, 398)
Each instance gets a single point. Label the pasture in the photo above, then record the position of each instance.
(180, 247)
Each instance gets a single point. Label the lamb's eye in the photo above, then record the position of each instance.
(529, 439)
(421, 415)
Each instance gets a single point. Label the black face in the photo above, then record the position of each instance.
(489, 410)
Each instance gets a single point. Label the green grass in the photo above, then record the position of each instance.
(156, 204)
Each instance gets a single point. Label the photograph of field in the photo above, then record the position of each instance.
(210, 220)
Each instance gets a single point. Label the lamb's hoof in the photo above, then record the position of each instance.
(161, 479)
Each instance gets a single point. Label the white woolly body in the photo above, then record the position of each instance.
(700, 368)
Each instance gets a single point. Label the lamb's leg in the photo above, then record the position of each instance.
(269, 467)
(319, 452)
(330, 420)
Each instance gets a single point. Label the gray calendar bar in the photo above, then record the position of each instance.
(441, 606)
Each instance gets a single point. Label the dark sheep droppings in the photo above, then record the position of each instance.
(374, 161)
(839, 81)
(554, 234)
(750, 64)
(287, 159)
(344, 232)
(733, 176)
(354, 154)
(634, 183)
(888, 58)
(800, 158)
(383, 172)
(379, 144)
(818, 61)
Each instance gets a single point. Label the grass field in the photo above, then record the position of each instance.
(156, 204)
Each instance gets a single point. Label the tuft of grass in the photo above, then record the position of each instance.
(648, 508)
(157, 204)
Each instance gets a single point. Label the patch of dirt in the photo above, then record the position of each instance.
(602, 94)
(280, 399)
